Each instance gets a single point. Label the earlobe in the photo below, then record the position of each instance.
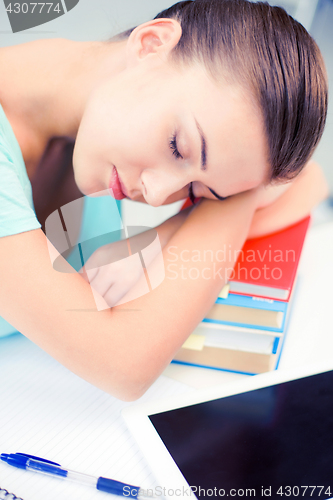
(159, 36)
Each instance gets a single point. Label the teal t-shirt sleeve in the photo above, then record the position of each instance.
(16, 213)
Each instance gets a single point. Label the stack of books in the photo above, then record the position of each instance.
(245, 329)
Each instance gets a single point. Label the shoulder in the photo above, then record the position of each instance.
(16, 204)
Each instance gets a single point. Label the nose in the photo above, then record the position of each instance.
(159, 184)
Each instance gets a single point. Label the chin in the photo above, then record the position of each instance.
(179, 196)
(175, 197)
(90, 189)
(97, 194)
(140, 199)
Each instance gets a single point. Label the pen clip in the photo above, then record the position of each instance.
(38, 458)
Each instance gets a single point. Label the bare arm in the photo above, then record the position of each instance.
(109, 270)
(280, 205)
(124, 349)
(296, 201)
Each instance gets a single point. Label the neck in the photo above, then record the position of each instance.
(47, 83)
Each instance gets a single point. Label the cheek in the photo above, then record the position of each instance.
(90, 167)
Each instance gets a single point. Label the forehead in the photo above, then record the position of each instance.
(234, 132)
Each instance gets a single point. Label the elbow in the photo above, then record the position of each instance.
(132, 391)
(131, 373)
(132, 383)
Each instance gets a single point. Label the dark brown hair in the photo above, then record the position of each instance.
(264, 49)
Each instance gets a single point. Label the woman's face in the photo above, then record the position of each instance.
(157, 128)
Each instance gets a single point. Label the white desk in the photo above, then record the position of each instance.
(48, 411)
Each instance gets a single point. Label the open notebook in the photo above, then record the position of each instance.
(48, 411)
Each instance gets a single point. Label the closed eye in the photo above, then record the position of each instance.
(174, 147)
(190, 193)
(217, 195)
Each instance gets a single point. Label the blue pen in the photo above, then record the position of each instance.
(36, 464)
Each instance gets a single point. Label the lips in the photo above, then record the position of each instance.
(115, 186)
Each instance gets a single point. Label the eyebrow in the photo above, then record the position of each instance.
(204, 158)
(203, 147)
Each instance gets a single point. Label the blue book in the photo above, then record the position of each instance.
(241, 350)
(249, 312)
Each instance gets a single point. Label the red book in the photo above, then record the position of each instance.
(267, 266)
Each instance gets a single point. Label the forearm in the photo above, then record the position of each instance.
(303, 194)
(124, 349)
(170, 312)
(118, 250)
(169, 227)
(165, 230)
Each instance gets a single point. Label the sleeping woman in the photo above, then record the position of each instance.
(221, 101)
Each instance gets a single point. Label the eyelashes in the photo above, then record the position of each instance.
(174, 147)
(190, 193)
(176, 153)
(217, 195)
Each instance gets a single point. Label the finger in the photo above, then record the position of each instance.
(88, 276)
(114, 294)
(102, 281)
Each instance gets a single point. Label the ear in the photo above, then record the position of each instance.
(157, 37)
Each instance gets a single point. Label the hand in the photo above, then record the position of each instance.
(269, 194)
(112, 271)
(115, 268)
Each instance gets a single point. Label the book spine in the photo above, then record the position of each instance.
(253, 302)
(227, 359)
(212, 326)
(177, 362)
(288, 319)
(245, 325)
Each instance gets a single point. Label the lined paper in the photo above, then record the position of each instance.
(48, 411)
